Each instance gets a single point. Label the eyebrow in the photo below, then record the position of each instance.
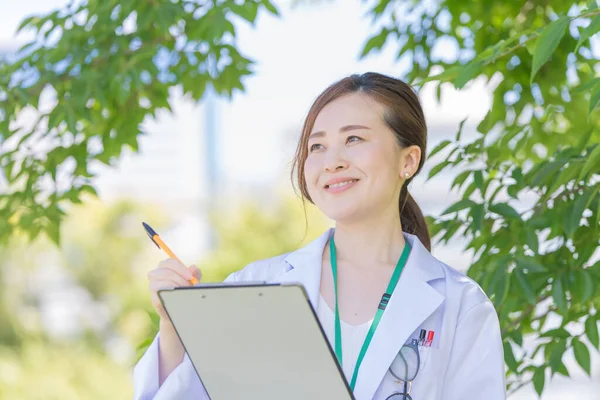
(343, 129)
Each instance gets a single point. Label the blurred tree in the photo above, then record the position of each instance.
(63, 94)
(254, 232)
(76, 318)
(79, 310)
(537, 150)
(61, 372)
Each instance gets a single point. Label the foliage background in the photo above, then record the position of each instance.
(525, 177)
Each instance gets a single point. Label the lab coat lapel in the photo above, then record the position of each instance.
(411, 303)
(306, 266)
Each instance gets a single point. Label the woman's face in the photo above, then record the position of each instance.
(355, 167)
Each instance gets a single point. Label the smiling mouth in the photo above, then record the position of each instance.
(341, 184)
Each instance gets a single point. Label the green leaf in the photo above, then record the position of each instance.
(495, 193)
(53, 232)
(478, 179)
(460, 205)
(584, 86)
(505, 210)
(556, 333)
(460, 129)
(588, 32)
(89, 189)
(538, 380)
(517, 175)
(513, 191)
(582, 355)
(477, 213)
(557, 350)
(558, 293)
(460, 178)
(584, 139)
(28, 21)
(509, 357)
(562, 369)
(546, 172)
(469, 191)
(532, 240)
(591, 330)
(380, 7)
(566, 175)
(525, 285)
(547, 43)
(467, 73)
(269, 6)
(594, 97)
(446, 76)
(376, 42)
(581, 203)
(592, 163)
(248, 10)
(441, 146)
(583, 285)
(438, 168)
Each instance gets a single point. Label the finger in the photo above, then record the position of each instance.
(196, 271)
(166, 274)
(178, 267)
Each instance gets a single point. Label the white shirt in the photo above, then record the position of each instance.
(353, 336)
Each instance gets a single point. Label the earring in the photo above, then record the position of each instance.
(407, 175)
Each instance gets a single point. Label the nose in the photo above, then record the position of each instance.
(335, 160)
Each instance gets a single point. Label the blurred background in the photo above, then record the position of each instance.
(212, 178)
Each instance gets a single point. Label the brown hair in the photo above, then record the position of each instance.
(403, 115)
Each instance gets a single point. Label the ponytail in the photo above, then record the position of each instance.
(412, 219)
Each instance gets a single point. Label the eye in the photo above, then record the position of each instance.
(353, 138)
(316, 146)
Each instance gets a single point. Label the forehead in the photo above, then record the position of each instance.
(350, 109)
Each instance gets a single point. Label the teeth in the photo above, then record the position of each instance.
(340, 184)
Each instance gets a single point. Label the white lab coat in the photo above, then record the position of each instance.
(465, 362)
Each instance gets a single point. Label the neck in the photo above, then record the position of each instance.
(368, 243)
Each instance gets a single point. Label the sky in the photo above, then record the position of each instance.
(297, 56)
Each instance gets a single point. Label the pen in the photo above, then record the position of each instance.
(429, 340)
(422, 337)
(161, 245)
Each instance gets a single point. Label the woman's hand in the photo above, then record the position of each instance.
(168, 274)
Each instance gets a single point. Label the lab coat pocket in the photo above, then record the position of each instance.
(425, 354)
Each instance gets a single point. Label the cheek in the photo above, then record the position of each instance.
(311, 171)
(369, 158)
(378, 163)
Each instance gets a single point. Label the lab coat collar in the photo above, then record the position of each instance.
(306, 264)
(411, 303)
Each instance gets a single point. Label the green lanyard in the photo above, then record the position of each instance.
(382, 305)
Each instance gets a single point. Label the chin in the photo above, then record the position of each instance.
(342, 214)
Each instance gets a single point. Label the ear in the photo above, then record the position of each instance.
(410, 157)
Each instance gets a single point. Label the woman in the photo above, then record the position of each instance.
(372, 277)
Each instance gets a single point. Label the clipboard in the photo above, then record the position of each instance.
(255, 341)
